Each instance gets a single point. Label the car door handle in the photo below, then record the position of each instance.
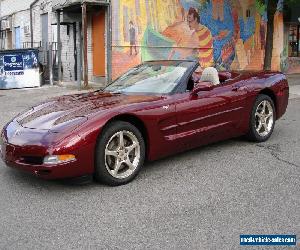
(239, 88)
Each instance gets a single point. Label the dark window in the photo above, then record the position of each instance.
(294, 40)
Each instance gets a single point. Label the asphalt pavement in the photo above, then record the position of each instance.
(200, 199)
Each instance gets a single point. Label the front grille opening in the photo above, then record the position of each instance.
(32, 160)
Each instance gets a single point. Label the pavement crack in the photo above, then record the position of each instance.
(283, 160)
(274, 149)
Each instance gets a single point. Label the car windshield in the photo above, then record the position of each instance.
(152, 77)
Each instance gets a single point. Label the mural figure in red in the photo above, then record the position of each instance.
(202, 38)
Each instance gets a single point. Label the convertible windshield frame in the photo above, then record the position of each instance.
(190, 65)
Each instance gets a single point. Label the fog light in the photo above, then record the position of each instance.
(56, 159)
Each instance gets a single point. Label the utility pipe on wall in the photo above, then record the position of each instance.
(85, 41)
(58, 46)
(79, 55)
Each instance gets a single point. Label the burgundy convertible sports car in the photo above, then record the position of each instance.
(155, 109)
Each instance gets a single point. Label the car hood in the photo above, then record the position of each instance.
(71, 111)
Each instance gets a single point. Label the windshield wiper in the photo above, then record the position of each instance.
(99, 90)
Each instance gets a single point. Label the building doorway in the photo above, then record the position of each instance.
(9, 40)
(17, 38)
(98, 43)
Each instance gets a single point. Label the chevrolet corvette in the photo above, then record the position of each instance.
(156, 109)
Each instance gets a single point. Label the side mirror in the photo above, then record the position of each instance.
(202, 86)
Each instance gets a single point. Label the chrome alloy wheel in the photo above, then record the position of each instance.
(264, 118)
(122, 154)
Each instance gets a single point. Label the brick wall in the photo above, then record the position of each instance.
(66, 37)
(90, 49)
(68, 60)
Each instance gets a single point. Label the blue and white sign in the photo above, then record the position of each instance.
(13, 63)
(19, 69)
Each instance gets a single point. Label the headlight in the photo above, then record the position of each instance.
(57, 159)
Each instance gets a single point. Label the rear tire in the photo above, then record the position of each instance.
(262, 120)
(120, 154)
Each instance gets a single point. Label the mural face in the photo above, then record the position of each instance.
(227, 34)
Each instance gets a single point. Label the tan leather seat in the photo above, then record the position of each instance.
(210, 74)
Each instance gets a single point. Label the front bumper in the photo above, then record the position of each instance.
(26, 149)
(15, 157)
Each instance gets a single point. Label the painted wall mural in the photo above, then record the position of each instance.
(227, 34)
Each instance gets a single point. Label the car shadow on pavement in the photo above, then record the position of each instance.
(217, 147)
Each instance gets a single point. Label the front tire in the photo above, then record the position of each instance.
(120, 154)
(262, 120)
